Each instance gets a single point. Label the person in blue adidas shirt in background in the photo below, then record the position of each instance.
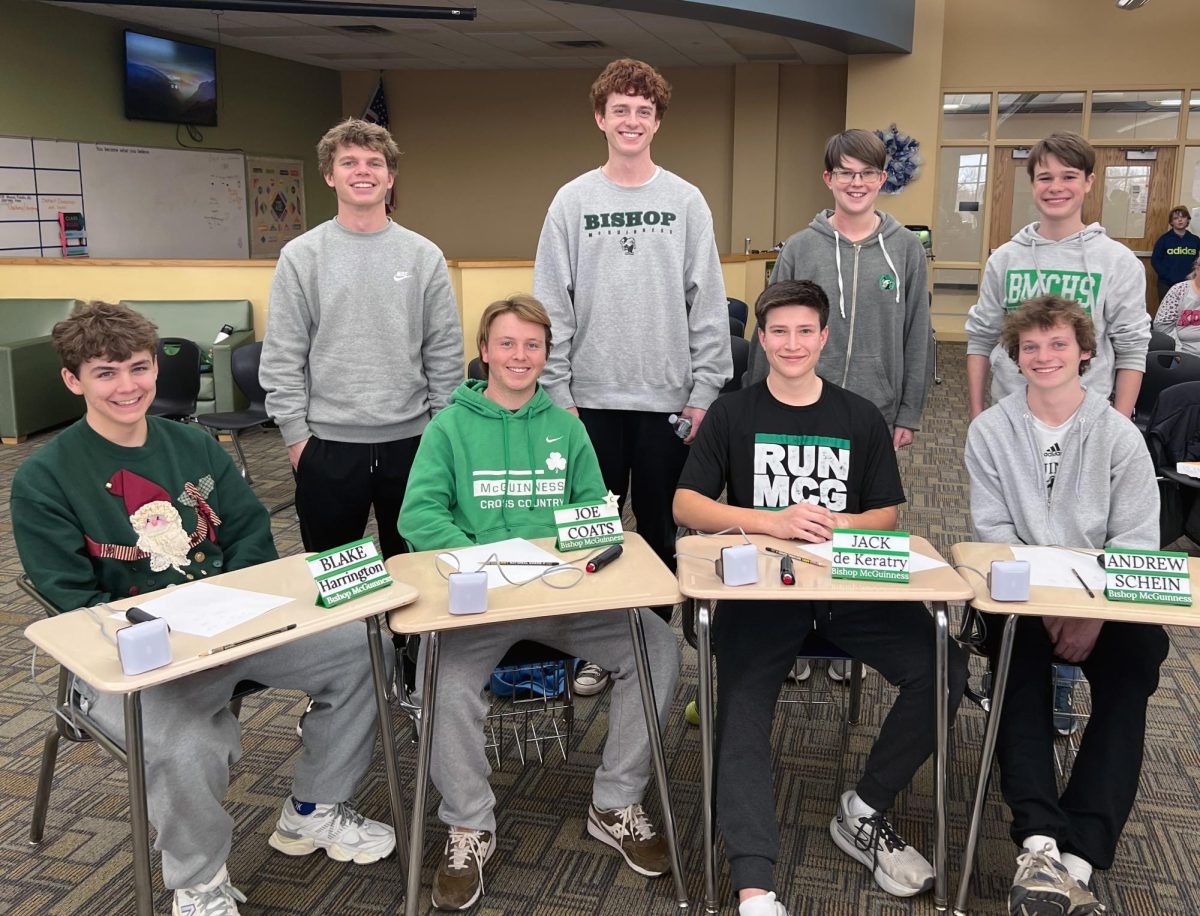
(1175, 251)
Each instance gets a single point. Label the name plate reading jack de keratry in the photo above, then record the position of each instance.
(880, 556)
(347, 572)
(1152, 576)
(588, 525)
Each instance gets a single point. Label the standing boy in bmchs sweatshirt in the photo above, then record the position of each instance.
(1060, 256)
(1052, 464)
(879, 328)
(507, 430)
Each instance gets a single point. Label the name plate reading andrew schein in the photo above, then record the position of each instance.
(347, 572)
(588, 525)
(1151, 576)
(880, 556)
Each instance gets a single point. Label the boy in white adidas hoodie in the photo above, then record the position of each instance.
(1060, 256)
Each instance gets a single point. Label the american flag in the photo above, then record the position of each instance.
(377, 112)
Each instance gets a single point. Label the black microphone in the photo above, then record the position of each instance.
(604, 559)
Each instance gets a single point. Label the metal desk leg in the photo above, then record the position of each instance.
(942, 625)
(999, 684)
(642, 659)
(704, 610)
(421, 789)
(139, 818)
(387, 743)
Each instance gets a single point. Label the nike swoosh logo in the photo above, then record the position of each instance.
(555, 439)
(401, 275)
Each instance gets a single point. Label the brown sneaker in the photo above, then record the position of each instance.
(629, 832)
(459, 879)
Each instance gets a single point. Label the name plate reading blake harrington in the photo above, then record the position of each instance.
(588, 525)
(347, 572)
(881, 556)
(1151, 576)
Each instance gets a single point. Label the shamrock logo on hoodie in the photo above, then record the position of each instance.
(556, 462)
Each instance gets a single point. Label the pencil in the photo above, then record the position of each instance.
(794, 556)
(1091, 594)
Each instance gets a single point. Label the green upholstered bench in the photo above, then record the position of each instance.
(32, 395)
(200, 320)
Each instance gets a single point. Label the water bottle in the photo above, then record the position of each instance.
(682, 425)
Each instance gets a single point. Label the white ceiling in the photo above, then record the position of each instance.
(506, 35)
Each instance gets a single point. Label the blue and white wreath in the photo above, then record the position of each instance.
(904, 159)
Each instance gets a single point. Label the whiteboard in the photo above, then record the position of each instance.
(144, 202)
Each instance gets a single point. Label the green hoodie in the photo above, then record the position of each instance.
(484, 473)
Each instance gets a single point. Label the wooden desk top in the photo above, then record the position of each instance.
(698, 577)
(72, 638)
(635, 579)
(1047, 601)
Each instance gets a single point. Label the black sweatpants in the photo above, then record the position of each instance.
(756, 643)
(640, 455)
(1123, 674)
(337, 483)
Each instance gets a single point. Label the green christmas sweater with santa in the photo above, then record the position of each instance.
(95, 521)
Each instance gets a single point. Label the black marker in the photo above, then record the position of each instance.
(604, 559)
(137, 615)
(787, 571)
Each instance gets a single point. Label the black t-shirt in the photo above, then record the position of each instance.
(836, 452)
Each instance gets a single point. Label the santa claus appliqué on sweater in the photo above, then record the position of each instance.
(157, 523)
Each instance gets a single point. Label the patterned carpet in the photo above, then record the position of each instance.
(546, 865)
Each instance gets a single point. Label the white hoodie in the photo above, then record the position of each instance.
(1100, 274)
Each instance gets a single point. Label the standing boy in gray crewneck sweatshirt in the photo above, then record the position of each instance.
(363, 344)
(627, 268)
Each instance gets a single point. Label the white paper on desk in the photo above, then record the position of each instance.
(514, 550)
(1053, 566)
(205, 609)
(824, 551)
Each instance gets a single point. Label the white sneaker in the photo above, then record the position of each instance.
(344, 834)
(897, 867)
(589, 679)
(801, 670)
(762, 905)
(215, 898)
(839, 669)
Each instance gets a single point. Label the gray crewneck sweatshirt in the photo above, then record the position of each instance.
(363, 337)
(632, 282)
(1100, 274)
(1104, 494)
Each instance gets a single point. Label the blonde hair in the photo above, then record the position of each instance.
(525, 307)
(357, 132)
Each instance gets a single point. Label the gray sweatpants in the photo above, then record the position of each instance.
(459, 765)
(191, 740)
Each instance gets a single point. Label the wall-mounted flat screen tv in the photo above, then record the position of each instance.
(169, 80)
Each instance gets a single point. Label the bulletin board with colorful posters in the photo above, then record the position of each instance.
(276, 191)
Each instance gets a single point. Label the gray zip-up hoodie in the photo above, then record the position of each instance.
(1104, 493)
(878, 293)
(1100, 274)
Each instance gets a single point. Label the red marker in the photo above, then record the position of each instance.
(597, 564)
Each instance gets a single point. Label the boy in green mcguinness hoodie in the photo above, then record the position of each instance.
(496, 464)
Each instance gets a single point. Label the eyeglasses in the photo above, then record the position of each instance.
(845, 176)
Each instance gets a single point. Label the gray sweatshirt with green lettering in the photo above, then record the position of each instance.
(363, 340)
(633, 285)
(1101, 274)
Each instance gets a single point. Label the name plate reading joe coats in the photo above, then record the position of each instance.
(880, 556)
(588, 525)
(347, 572)
(1152, 576)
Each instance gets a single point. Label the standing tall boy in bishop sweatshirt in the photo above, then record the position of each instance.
(1060, 256)
(627, 268)
(363, 344)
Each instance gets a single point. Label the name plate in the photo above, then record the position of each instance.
(588, 525)
(880, 556)
(1150, 576)
(347, 572)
